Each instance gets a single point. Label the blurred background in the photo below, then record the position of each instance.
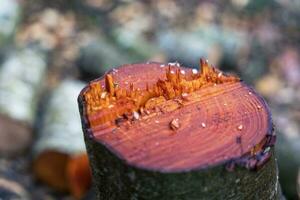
(50, 49)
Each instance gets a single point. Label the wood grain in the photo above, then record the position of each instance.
(218, 123)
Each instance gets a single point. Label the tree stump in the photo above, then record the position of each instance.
(162, 131)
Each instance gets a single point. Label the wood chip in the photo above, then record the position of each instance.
(174, 124)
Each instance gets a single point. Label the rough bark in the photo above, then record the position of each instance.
(129, 169)
(115, 179)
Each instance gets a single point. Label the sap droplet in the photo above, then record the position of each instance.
(240, 127)
(195, 71)
(203, 125)
(182, 71)
(250, 93)
(259, 107)
(136, 115)
(156, 121)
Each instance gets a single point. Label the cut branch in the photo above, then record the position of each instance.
(162, 131)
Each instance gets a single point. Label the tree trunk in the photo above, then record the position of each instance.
(21, 76)
(60, 155)
(161, 131)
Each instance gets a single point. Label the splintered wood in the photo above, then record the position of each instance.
(148, 124)
(178, 107)
(111, 101)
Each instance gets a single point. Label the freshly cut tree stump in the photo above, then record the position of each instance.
(60, 158)
(162, 131)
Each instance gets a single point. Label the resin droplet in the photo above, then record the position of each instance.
(259, 107)
(240, 127)
(136, 115)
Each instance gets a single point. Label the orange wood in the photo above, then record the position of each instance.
(218, 122)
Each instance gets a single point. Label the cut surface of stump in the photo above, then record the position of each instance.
(166, 119)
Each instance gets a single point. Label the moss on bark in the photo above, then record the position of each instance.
(115, 179)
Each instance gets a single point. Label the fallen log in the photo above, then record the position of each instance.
(162, 131)
(21, 75)
(60, 155)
